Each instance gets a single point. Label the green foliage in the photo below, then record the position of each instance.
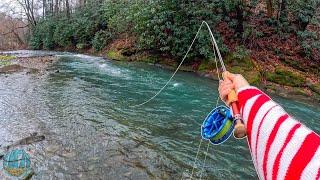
(63, 33)
(76, 31)
(168, 27)
(42, 36)
(5, 63)
(241, 52)
(81, 46)
(207, 65)
(309, 42)
(303, 11)
(35, 39)
(294, 18)
(171, 25)
(100, 40)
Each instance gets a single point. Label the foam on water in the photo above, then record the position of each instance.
(84, 110)
(102, 65)
(176, 84)
(113, 71)
(83, 56)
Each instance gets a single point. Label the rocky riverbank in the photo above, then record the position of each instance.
(283, 78)
(279, 79)
(29, 65)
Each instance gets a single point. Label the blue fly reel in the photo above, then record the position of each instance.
(218, 125)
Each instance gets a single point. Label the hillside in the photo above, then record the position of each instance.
(275, 44)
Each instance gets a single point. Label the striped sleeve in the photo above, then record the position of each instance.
(281, 147)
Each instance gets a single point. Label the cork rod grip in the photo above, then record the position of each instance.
(232, 101)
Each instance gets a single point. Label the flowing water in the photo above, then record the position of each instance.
(83, 107)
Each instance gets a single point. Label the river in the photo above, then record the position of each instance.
(83, 106)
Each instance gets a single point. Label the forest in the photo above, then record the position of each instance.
(272, 27)
(133, 89)
(169, 26)
(278, 36)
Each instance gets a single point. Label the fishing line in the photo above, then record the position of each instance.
(204, 161)
(216, 53)
(217, 102)
(195, 159)
(215, 49)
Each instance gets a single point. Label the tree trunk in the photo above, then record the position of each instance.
(240, 19)
(283, 10)
(44, 8)
(56, 7)
(269, 8)
(68, 8)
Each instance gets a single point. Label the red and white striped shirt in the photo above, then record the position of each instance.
(281, 147)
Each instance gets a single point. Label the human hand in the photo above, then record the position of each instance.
(231, 82)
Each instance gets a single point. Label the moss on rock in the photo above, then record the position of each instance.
(5, 63)
(7, 57)
(244, 66)
(5, 60)
(115, 55)
(148, 59)
(315, 88)
(286, 77)
(299, 91)
(207, 65)
(245, 62)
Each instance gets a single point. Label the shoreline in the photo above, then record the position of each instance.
(39, 64)
(303, 93)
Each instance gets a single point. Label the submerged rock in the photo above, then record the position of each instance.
(12, 68)
(28, 140)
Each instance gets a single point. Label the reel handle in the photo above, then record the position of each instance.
(232, 100)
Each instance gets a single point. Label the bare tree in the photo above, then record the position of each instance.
(68, 8)
(29, 7)
(12, 32)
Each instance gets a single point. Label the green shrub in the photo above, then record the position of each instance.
(81, 46)
(35, 39)
(304, 12)
(64, 33)
(163, 26)
(309, 42)
(241, 52)
(101, 38)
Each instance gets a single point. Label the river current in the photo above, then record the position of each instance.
(83, 106)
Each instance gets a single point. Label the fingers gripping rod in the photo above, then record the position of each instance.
(232, 99)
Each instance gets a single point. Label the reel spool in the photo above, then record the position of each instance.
(218, 125)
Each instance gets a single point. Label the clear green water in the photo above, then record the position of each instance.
(93, 133)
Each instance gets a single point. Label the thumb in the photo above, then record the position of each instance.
(228, 76)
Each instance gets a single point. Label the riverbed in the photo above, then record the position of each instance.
(83, 106)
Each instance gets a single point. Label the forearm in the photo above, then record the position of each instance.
(281, 147)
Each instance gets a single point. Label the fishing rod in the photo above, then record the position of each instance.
(232, 100)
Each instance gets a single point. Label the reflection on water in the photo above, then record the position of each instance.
(84, 110)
